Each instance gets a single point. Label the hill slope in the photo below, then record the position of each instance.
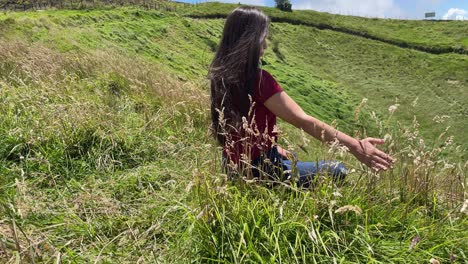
(430, 36)
(384, 62)
(328, 72)
(105, 155)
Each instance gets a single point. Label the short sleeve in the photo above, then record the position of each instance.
(267, 87)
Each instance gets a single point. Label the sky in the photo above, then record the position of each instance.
(400, 9)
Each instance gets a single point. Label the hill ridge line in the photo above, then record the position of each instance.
(321, 26)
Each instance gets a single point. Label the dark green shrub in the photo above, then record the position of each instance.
(284, 5)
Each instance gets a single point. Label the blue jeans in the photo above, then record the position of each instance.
(276, 168)
(305, 170)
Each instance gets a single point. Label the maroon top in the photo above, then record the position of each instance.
(259, 135)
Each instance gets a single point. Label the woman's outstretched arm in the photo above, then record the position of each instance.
(364, 150)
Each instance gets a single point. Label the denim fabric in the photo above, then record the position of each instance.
(271, 165)
(307, 170)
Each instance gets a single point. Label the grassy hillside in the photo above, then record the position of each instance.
(384, 74)
(327, 72)
(432, 36)
(364, 68)
(105, 154)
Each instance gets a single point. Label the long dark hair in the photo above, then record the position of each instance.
(235, 67)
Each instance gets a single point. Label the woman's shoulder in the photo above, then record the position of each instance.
(268, 79)
(267, 86)
(265, 78)
(265, 74)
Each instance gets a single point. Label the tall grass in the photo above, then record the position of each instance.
(108, 158)
(76, 130)
(403, 215)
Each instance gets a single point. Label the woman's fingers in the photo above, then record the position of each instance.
(376, 159)
(384, 155)
(382, 167)
(377, 166)
(378, 152)
(376, 141)
(381, 161)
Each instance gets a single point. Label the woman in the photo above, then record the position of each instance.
(245, 101)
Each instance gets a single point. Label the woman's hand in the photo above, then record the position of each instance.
(369, 154)
(365, 151)
(284, 153)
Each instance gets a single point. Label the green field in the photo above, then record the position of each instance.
(432, 36)
(105, 153)
(382, 72)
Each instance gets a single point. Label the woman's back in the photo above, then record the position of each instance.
(258, 133)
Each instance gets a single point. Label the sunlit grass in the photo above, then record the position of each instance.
(105, 156)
